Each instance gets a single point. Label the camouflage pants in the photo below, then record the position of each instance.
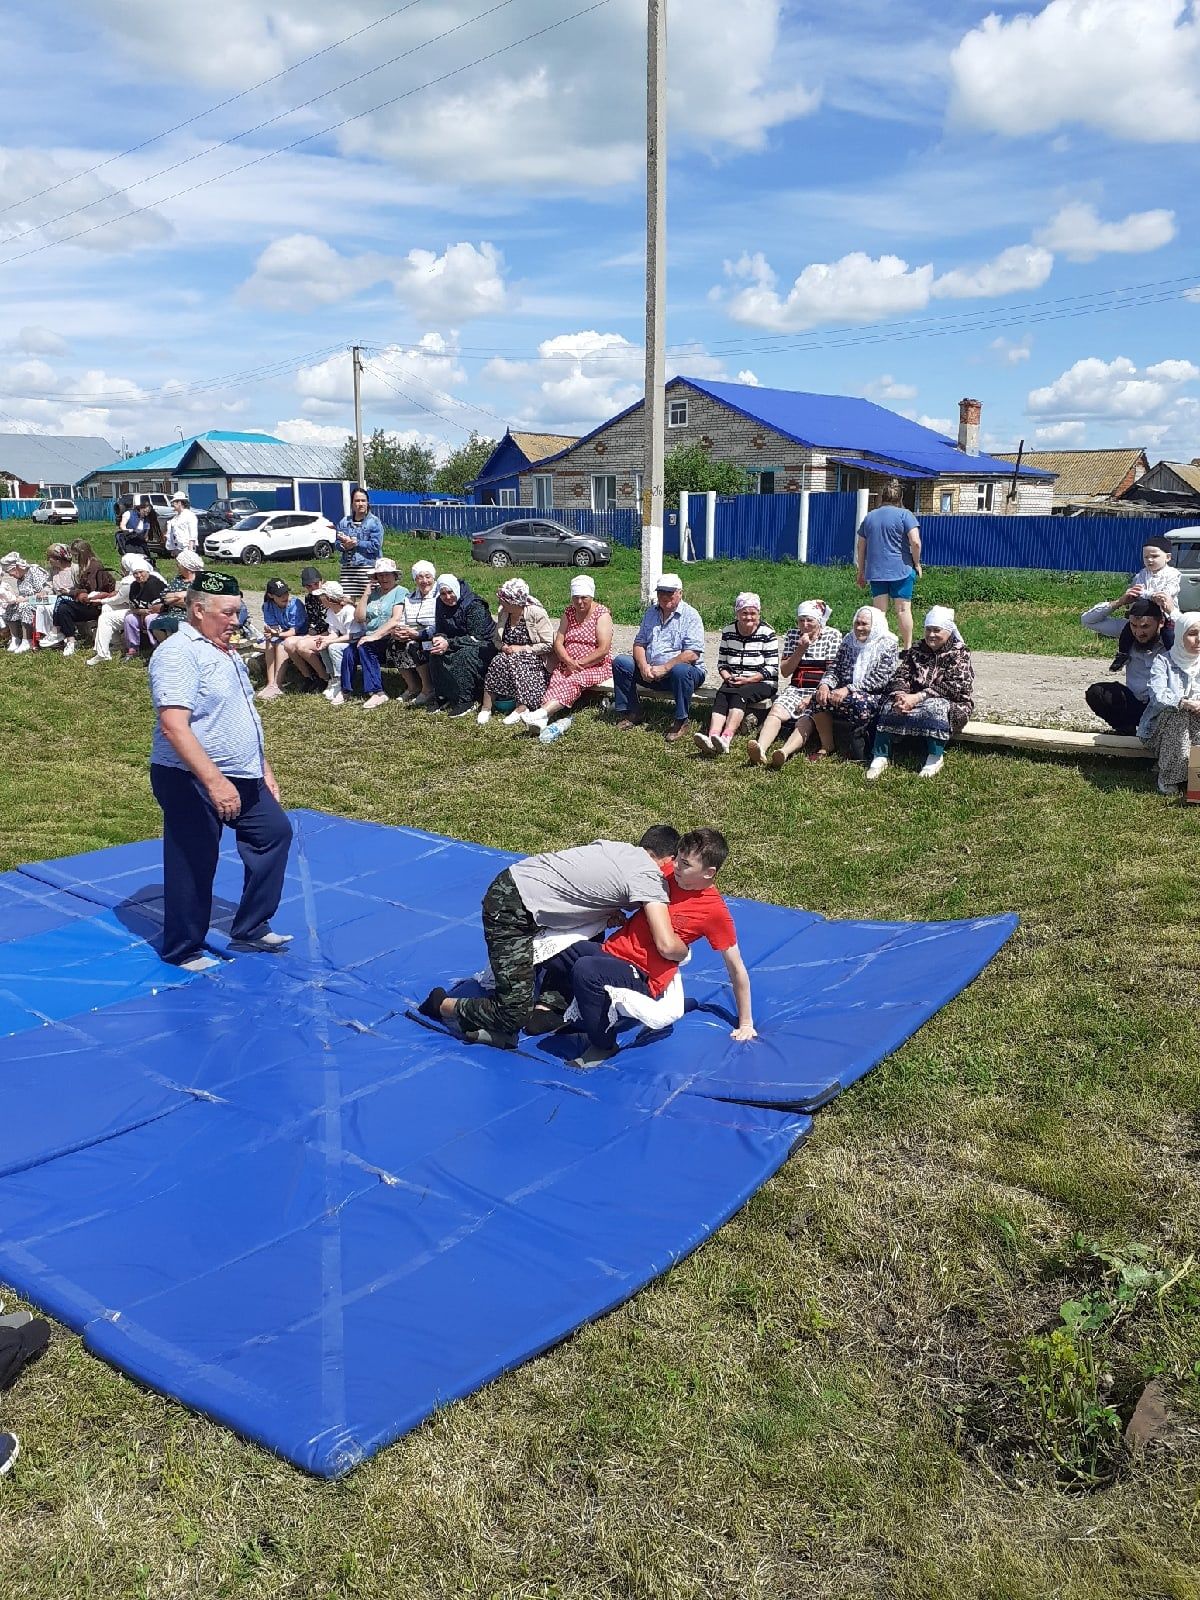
(508, 929)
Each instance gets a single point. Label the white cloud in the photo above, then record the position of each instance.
(939, 425)
(1114, 390)
(1080, 235)
(301, 271)
(857, 288)
(888, 390)
(27, 213)
(299, 430)
(422, 372)
(1011, 353)
(1020, 267)
(1192, 294)
(746, 376)
(1128, 67)
(34, 340)
(1061, 433)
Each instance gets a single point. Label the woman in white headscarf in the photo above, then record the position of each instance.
(930, 696)
(409, 628)
(582, 653)
(850, 690)
(28, 582)
(808, 648)
(748, 668)
(523, 637)
(113, 611)
(460, 645)
(1170, 727)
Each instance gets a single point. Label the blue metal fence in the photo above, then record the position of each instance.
(832, 522)
(618, 527)
(757, 527)
(1057, 544)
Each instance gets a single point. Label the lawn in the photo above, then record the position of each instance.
(1036, 613)
(901, 1371)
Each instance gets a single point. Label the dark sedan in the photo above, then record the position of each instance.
(532, 543)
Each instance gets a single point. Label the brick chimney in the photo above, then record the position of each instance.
(968, 426)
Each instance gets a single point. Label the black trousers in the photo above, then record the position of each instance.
(1113, 703)
(191, 844)
(585, 971)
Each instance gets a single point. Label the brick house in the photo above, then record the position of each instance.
(787, 441)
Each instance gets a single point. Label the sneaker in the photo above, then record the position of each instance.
(498, 1041)
(778, 758)
(266, 944)
(337, 698)
(513, 717)
(483, 718)
(200, 963)
(421, 700)
(535, 721)
(720, 744)
(69, 648)
(375, 701)
(92, 661)
(460, 711)
(12, 647)
(877, 768)
(431, 1006)
(754, 753)
(22, 647)
(932, 767)
(49, 641)
(10, 1449)
(331, 689)
(593, 1056)
(704, 744)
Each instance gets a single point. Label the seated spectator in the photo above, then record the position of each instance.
(145, 594)
(62, 585)
(850, 690)
(460, 644)
(183, 530)
(1171, 723)
(335, 635)
(582, 653)
(367, 644)
(131, 536)
(748, 667)
(172, 609)
(304, 649)
(409, 647)
(1122, 705)
(930, 696)
(1156, 580)
(668, 655)
(522, 639)
(807, 651)
(114, 609)
(284, 619)
(28, 583)
(94, 585)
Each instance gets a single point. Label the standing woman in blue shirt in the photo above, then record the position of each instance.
(360, 540)
(889, 558)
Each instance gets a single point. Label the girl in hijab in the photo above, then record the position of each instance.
(808, 649)
(1170, 727)
(523, 637)
(748, 667)
(409, 630)
(460, 639)
(930, 695)
(850, 690)
(582, 653)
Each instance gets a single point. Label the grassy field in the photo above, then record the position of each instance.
(998, 609)
(902, 1371)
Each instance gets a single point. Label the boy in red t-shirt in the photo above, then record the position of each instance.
(630, 958)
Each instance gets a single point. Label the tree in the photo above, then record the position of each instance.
(464, 465)
(405, 468)
(691, 467)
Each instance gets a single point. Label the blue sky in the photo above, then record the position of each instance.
(905, 201)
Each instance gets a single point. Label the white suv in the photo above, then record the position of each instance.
(56, 511)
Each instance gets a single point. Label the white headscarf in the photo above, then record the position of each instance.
(190, 560)
(583, 584)
(127, 565)
(865, 652)
(449, 581)
(1188, 664)
(12, 560)
(423, 569)
(942, 617)
(814, 611)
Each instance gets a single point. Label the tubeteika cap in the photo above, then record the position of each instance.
(215, 583)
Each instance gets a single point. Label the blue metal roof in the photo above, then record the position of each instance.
(880, 466)
(169, 456)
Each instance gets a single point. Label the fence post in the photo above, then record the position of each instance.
(861, 506)
(683, 522)
(802, 536)
(710, 524)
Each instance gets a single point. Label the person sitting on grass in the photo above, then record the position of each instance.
(113, 610)
(1150, 626)
(460, 644)
(748, 667)
(62, 585)
(930, 696)
(26, 582)
(807, 651)
(368, 642)
(1171, 725)
(304, 649)
(582, 653)
(94, 585)
(668, 654)
(630, 960)
(850, 689)
(1157, 580)
(174, 603)
(284, 618)
(522, 639)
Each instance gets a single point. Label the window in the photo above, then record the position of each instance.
(508, 497)
(760, 482)
(984, 496)
(677, 413)
(543, 491)
(946, 504)
(604, 492)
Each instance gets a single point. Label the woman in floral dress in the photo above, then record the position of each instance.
(523, 637)
(582, 653)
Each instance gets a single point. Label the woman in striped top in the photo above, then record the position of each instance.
(748, 667)
(807, 650)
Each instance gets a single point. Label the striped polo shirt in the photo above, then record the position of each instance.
(191, 672)
(758, 653)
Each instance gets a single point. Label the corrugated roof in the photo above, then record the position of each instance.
(1081, 472)
(883, 467)
(51, 457)
(1187, 470)
(538, 445)
(169, 456)
(277, 459)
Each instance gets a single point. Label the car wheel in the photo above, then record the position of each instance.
(252, 555)
(322, 550)
(583, 558)
(500, 558)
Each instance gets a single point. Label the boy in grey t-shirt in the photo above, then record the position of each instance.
(562, 890)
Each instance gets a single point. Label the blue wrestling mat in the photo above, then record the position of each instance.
(275, 1194)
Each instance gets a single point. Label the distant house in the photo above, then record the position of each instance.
(1176, 482)
(786, 441)
(499, 482)
(218, 464)
(37, 464)
(1087, 478)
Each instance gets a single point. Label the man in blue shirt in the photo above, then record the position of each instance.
(889, 535)
(668, 656)
(208, 771)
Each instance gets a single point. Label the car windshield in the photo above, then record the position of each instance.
(247, 523)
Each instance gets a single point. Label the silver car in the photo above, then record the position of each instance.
(530, 542)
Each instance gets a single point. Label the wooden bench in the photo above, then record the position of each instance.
(1053, 741)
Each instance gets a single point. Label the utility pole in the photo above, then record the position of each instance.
(656, 286)
(356, 358)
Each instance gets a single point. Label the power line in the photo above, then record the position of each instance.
(465, 405)
(220, 105)
(412, 399)
(267, 155)
(169, 391)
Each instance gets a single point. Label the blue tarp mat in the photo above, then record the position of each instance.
(276, 1194)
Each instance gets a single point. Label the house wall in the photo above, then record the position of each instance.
(1034, 498)
(1161, 477)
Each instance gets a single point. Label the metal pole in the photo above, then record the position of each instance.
(656, 286)
(356, 358)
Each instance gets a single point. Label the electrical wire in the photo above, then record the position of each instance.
(412, 399)
(385, 353)
(169, 391)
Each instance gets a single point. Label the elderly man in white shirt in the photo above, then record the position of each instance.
(183, 530)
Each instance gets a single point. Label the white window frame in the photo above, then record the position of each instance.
(543, 491)
(672, 420)
(609, 502)
(507, 497)
(638, 480)
(984, 498)
(946, 502)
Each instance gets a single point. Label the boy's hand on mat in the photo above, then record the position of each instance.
(746, 1031)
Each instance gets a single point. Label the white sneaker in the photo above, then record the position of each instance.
(703, 743)
(878, 766)
(483, 718)
(512, 719)
(95, 661)
(200, 963)
(12, 647)
(69, 648)
(330, 690)
(338, 699)
(534, 719)
(720, 744)
(22, 647)
(49, 641)
(375, 701)
(932, 767)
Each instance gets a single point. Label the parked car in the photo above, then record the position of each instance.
(533, 543)
(1185, 554)
(206, 523)
(163, 509)
(227, 512)
(56, 511)
(270, 534)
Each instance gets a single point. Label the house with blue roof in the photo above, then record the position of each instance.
(786, 441)
(217, 464)
(498, 483)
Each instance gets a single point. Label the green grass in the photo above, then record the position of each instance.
(825, 1399)
(1036, 613)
